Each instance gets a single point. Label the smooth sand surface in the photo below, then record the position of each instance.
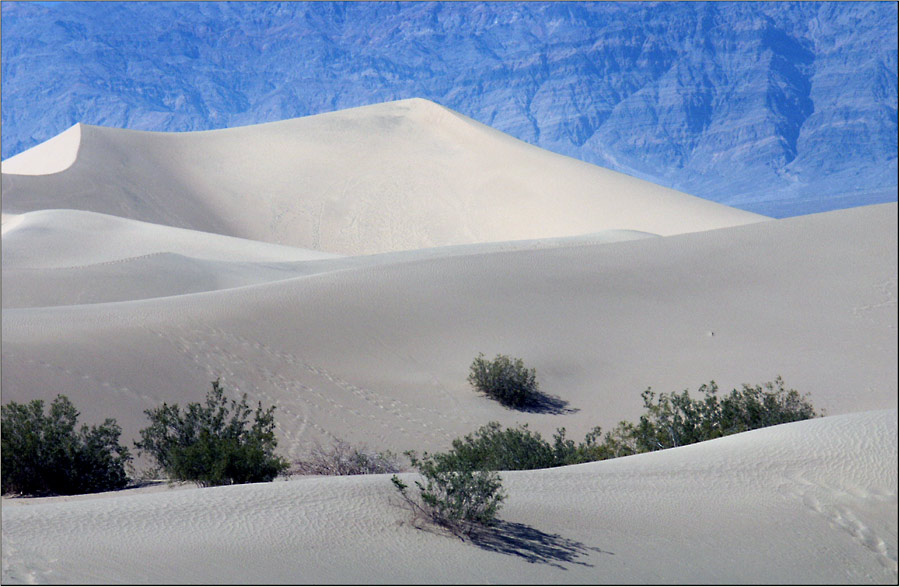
(156, 263)
(68, 257)
(380, 352)
(812, 502)
(52, 156)
(396, 176)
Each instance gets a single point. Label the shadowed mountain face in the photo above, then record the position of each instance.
(778, 108)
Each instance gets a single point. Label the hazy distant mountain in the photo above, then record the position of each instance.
(778, 108)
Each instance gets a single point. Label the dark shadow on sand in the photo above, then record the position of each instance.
(532, 545)
(542, 403)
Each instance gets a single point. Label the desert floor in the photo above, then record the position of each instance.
(347, 267)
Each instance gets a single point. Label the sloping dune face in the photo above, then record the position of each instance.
(69, 257)
(51, 156)
(811, 503)
(396, 176)
(155, 263)
(378, 351)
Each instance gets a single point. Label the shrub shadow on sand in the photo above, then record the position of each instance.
(532, 545)
(542, 403)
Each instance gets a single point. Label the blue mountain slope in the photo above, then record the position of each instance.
(778, 108)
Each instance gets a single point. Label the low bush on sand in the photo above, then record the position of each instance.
(46, 454)
(677, 419)
(343, 459)
(670, 420)
(460, 499)
(463, 492)
(215, 443)
(493, 448)
(506, 380)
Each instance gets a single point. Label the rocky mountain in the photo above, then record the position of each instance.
(780, 108)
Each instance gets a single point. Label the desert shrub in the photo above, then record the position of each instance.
(459, 499)
(506, 380)
(493, 448)
(46, 454)
(677, 419)
(215, 443)
(569, 453)
(763, 405)
(619, 442)
(344, 459)
(670, 419)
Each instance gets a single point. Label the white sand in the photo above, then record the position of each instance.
(114, 296)
(395, 176)
(380, 352)
(811, 502)
(52, 156)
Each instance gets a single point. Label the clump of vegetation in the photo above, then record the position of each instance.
(493, 448)
(506, 380)
(46, 454)
(678, 419)
(344, 459)
(671, 420)
(215, 443)
(462, 490)
(458, 498)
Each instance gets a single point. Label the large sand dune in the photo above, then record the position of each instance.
(137, 267)
(395, 176)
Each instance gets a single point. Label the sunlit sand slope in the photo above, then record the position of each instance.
(68, 257)
(380, 352)
(395, 176)
(51, 156)
(812, 502)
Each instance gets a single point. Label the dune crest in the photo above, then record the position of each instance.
(396, 176)
(54, 155)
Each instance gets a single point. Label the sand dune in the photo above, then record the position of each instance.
(395, 176)
(52, 156)
(380, 352)
(70, 257)
(51, 239)
(137, 267)
(812, 502)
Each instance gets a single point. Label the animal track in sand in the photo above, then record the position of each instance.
(886, 292)
(18, 567)
(78, 374)
(839, 507)
(258, 366)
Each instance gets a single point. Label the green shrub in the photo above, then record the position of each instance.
(620, 442)
(459, 499)
(677, 419)
(213, 444)
(344, 459)
(761, 406)
(493, 448)
(46, 454)
(505, 380)
(671, 419)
